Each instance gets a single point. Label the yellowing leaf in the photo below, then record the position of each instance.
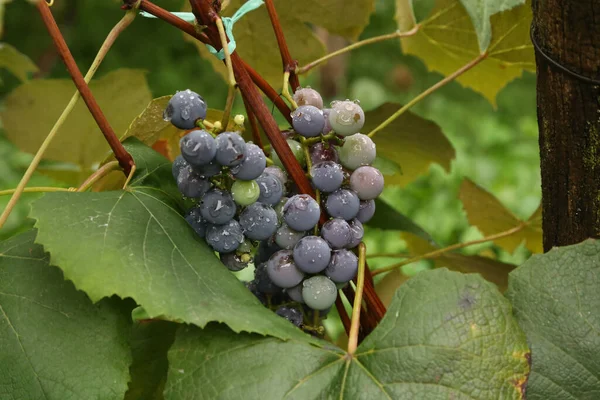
(121, 94)
(14, 61)
(447, 40)
(410, 142)
(256, 41)
(489, 215)
(386, 288)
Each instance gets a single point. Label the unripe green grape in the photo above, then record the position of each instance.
(358, 150)
(245, 192)
(319, 292)
(297, 150)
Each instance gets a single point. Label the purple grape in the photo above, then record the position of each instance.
(287, 238)
(321, 151)
(278, 173)
(178, 164)
(198, 148)
(259, 221)
(367, 182)
(209, 170)
(337, 233)
(184, 109)
(283, 271)
(295, 293)
(327, 176)
(231, 149)
(343, 203)
(291, 314)
(342, 267)
(301, 212)
(194, 218)
(264, 284)
(312, 254)
(271, 189)
(253, 165)
(366, 211)
(217, 207)
(357, 233)
(308, 121)
(225, 238)
(190, 184)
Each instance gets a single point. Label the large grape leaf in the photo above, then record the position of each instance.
(15, 62)
(54, 343)
(256, 41)
(556, 301)
(121, 94)
(410, 142)
(387, 218)
(135, 243)
(448, 39)
(486, 212)
(445, 336)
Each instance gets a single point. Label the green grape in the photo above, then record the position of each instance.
(245, 192)
(297, 150)
(358, 150)
(319, 292)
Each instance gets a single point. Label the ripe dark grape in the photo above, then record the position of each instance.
(319, 292)
(245, 192)
(252, 166)
(346, 117)
(291, 314)
(266, 248)
(194, 218)
(190, 184)
(217, 206)
(342, 267)
(184, 109)
(312, 254)
(367, 182)
(308, 121)
(178, 164)
(327, 176)
(357, 233)
(283, 271)
(271, 189)
(208, 170)
(259, 221)
(301, 212)
(343, 203)
(337, 233)
(366, 211)
(286, 238)
(231, 149)
(357, 150)
(278, 173)
(321, 151)
(295, 293)
(308, 97)
(264, 284)
(234, 261)
(198, 148)
(225, 238)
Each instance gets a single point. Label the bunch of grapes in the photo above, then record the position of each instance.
(251, 213)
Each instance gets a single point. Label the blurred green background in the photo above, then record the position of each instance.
(496, 148)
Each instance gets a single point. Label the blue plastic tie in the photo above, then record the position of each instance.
(228, 23)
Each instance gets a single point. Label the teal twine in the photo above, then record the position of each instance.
(228, 23)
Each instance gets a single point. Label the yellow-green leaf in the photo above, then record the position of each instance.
(2, 4)
(14, 61)
(447, 40)
(410, 142)
(121, 94)
(489, 215)
(256, 41)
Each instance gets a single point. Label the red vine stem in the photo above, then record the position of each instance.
(190, 29)
(289, 65)
(124, 158)
(207, 16)
(253, 125)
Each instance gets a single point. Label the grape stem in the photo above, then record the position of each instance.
(41, 189)
(99, 174)
(254, 126)
(231, 78)
(289, 65)
(285, 92)
(357, 305)
(108, 42)
(428, 91)
(357, 45)
(457, 246)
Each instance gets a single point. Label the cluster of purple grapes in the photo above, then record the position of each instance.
(251, 213)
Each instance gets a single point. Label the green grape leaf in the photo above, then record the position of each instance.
(445, 335)
(410, 142)
(45, 100)
(458, 31)
(257, 45)
(14, 61)
(491, 270)
(387, 218)
(2, 5)
(150, 342)
(135, 243)
(556, 300)
(55, 344)
(486, 212)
